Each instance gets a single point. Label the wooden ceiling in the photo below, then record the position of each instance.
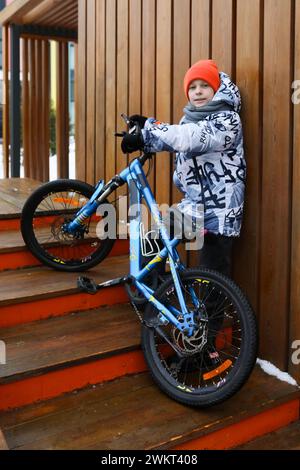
(54, 13)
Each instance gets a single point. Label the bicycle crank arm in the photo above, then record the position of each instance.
(165, 337)
(85, 284)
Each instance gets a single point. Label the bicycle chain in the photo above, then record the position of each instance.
(138, 313)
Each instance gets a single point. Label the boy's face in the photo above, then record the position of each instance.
(200, 93)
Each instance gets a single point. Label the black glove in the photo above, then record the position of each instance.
(139, 119)
(132, 142)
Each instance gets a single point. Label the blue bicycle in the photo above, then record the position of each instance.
(199, 332)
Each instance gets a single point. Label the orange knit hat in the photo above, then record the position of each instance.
(206, 70)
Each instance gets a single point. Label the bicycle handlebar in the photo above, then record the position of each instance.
(134, 129)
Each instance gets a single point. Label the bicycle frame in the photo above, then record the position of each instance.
(138, 186)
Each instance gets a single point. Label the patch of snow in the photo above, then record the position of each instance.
(52, 162)
(270, 369)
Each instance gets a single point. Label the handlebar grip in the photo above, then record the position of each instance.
(119, 134)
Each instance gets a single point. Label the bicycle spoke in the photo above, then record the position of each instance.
(200, 369)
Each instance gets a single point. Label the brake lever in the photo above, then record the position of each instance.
(133, 127)
(126, 118)
(119, 134)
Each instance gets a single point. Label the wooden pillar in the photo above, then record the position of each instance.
(45, 108)
(25, 109)
(80, 104)
(5, 52)
(62, 112)
(32, 111)
(38, 106)
(294, 317)
(15, 113)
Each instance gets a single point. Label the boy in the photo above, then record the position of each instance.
(210, 165)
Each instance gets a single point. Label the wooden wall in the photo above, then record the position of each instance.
(132, 57)
(35, 107)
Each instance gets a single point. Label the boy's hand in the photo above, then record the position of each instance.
(132, 142)
(139, 119)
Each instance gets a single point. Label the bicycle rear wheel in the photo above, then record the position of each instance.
(43, 216)
(217, 360)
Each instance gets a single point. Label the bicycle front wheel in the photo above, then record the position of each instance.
(216, 361)
(43, 216)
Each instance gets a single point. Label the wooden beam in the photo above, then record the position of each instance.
(15, 10)
(47, 32)
(43, 37)
(58, 12)
(40, 10)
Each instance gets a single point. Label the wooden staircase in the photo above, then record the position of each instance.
(75, 376)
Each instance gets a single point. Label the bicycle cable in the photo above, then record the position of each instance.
(150, 167)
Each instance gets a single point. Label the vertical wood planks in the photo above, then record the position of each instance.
(276, 188)
(100, 90)
(110, 82)
(200, 30)
(45, 107)
(81, 90)
(76, 98)
(148, 42)
(163, 93)
(25, 108)
(62, 111)
(38, 128)
(181, 62)
(294, 326)
(33, 109)
(122, 83)
(200, 48)
(5, 125)
(248, 79)
(222, 34)
(135, 50)
(91, 91)
(134, 66)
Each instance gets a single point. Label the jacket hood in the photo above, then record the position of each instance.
(228, 92)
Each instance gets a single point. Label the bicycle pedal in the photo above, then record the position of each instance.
(85, 284)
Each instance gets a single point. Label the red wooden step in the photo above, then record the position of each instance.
(34, 293)
(49, 357)
(13, 194)
(286, 438)
(14, 254)
(131, 413)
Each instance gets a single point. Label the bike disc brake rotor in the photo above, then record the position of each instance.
(51, 215)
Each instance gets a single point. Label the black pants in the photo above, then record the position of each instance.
(217, 253)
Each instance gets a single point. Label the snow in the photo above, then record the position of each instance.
(270, 369)
(53, 163)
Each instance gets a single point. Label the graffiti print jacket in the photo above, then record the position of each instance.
(210, 165)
